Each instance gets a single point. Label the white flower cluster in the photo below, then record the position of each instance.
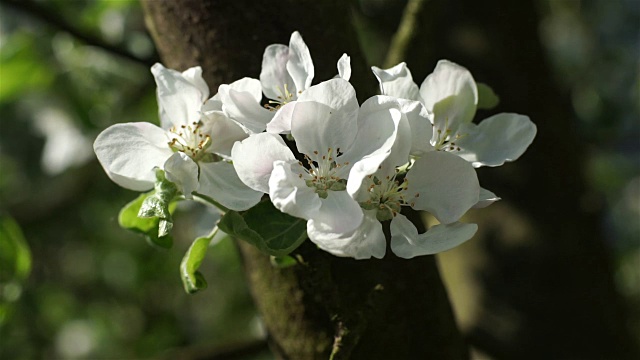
(348, 167)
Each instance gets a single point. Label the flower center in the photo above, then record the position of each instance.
(386, 196)
(445, 140)
(191, 140)
(324, 173)
(285, 97)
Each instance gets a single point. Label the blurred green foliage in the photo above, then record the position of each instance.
(15, 265)
(97, 290)
(594, 48)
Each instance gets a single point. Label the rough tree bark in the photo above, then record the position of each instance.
(377, 309)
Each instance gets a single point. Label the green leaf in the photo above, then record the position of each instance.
(157, 204)
(283, 262)
(264, 226)
(128, 217)
(148, 226)
(487, 98)
(192, 279)
(15, 256)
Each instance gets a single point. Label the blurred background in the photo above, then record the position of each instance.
(76, 285)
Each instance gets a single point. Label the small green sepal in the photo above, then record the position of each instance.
(283, 262)
(487, 98)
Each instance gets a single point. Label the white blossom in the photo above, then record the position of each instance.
(340, 143)
(286, 76)
(450, 94)
(191, 146)
(438, 182)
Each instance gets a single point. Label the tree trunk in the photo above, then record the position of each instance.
(375, 309)
(545, 279)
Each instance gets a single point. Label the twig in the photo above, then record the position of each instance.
(49, 16)
(404, 34)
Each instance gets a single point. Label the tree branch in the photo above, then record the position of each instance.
(405, 33)
(48, 16)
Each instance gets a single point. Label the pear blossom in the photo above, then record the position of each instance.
(450, 94)
(191, 146)
(340, 143)
(438, 182)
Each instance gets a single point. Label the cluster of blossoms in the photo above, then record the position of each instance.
(319, 155)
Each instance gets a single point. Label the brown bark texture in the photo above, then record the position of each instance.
(375, 309)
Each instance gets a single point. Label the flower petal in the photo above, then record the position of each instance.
(194, 76)
(224, 132)
(290, 194)
(179, 99)
(300, 65)
(379, 123)
(213, 104)
(281, 122)
(325, 116)
(181, 170)
(129, 153)
(500, 138)
(336, 93)
(421, 128)
(344, 67)
(243, 108)
(254, 156)
(407, 243)
(443, 184)
(274, 75)
(451, 94)
(486, 198)
(363, 243)
(249, 85)
(220, 182)
(399, 154)
(317, 127)
(339, 213)
(397, 82)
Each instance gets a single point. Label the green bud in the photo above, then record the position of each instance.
(153, 206)
(369, 205)
(157, 205)
(393, 205)
(322, 193)
(208, 157)
(339, 185)
(384, 214)
(282, 262)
